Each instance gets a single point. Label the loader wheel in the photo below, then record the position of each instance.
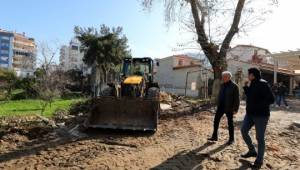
(107, 92)
(153, 93)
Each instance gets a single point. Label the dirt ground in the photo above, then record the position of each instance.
(179, 143)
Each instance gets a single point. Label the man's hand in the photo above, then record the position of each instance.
(247, 83)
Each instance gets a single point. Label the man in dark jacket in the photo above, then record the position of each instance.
(274, 89)
(259, 97)
(282, 92)
(228, 103)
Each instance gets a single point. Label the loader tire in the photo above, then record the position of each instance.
(153, 93)
(107, 92)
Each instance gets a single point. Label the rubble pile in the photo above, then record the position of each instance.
(81, 108)
(173, 106)
(21, 129)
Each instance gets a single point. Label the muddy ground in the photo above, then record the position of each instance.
(179, 143)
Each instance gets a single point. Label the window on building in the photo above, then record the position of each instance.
(4, 47)
(3, 65)
(4, 51)
(3, 58)
(74, 47)
(5, 38)
(180, 62)
(5, 42)
(26, 54)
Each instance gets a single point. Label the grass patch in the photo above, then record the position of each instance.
(29, 107)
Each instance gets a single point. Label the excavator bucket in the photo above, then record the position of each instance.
(124, 113)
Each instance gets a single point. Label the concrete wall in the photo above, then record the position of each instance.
(236, 67)
(245, 53)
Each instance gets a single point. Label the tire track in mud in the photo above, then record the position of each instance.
(179, 143)
(116, 152)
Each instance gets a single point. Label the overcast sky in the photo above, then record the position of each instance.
(54, 20)
(280, 32)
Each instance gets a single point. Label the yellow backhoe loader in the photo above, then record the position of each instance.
(131, 104)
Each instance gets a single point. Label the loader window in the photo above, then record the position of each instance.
(137, 68)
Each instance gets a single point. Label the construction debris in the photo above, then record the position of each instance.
(173, 106)
(165, 97)
(165, 107)
(33, 142)
(46, 120)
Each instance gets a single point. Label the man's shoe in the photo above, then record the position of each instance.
(230, 142)
(249, 154)
(257, 165)
(213, 139)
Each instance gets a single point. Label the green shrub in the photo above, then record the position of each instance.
(19, 96)
(67, 94)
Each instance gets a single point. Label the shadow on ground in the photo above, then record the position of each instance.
(25, 110)
(190, 160)
(245, 165)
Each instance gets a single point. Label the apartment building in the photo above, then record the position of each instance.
(6, 49)
(71, 56)
(24, 55)
(17, 52)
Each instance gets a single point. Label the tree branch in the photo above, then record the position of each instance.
(233, 29)
(199, 25)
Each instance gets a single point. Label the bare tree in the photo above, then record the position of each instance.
(215, 23)
(49, 82)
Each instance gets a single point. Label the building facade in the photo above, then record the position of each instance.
(24, 55)
(64, 57)
(183, 75)
(6, 49)
(71, 56)
(243, 57)
(18, 53)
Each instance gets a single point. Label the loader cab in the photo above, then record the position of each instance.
(139, 67)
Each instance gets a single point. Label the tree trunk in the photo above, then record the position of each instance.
(215, 55)
(218, 68)
(104, 71)
(95, 80)
(100, 80)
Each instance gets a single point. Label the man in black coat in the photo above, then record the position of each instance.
(228, 103)
(259, 97)
(282, 92)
